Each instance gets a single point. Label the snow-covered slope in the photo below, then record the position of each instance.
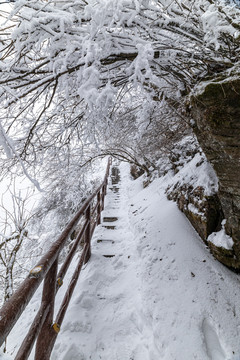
(161, 296)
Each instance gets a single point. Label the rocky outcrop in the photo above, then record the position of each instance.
(204, 212)
(216, 114)
(225, 256)
(136, 171)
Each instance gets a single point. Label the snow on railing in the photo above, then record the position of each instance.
(43, 329)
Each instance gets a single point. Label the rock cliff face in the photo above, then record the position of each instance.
(216, 112)
(204, 212)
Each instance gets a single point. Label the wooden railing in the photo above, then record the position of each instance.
(43, 329)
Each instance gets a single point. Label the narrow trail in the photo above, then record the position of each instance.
(110, 323)
(151, 290)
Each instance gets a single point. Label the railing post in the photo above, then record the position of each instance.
(43, 345)
(88, 233)
(42, 329)
(103, 195)
(27, 345)
(99, 208)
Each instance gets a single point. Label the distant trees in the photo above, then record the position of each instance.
(70, 70)
(67, 189)
(14, 221)
(147, 135)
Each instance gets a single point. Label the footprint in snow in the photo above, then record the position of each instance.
(212, 341)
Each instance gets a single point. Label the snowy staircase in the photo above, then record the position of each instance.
(137, 298)
(106, 321)
(110, 220)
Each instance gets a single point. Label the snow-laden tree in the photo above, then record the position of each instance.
(64, 66)
(142, 131)
(87, 78)
(14, 228)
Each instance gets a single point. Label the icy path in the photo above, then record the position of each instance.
(161, 296)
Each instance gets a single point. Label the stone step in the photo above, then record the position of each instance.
(115, 181)
(110, 219)
(109, 227)
(114, 189)
(105, 241)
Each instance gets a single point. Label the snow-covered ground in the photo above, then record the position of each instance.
(161, 296)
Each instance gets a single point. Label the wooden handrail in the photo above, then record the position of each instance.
(43, 329)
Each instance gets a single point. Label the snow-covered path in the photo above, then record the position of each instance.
(110, 324)
(161, 296)
(157, 294)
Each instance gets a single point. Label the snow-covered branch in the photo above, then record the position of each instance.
(63, 65)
